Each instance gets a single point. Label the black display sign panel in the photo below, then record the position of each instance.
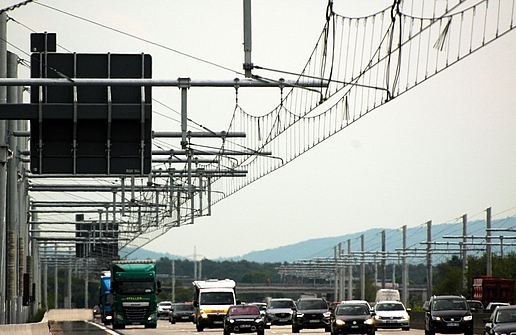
(97, 130)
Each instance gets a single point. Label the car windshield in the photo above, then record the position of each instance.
(351, 310)
(281, 304)
(217, 298)
(312, 304)
(504, 316)
(165, 304)
(183, 308)
(389, 307)
(449, 304)
(244, 310)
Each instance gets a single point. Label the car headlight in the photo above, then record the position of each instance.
(119, 317)
(258, 320)
(369, 321)
(327, 314)
(152, 316)
(203, 314)
(497, 333)
(468, 318)
(340, 322)
(231, 320)
(377, 317)
(300, 315)
(436, 318)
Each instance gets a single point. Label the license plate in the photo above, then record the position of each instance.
(283, 320)
(452, 324)
(184, 317)
(354, 326)
(313, 321)
(245, 326)
(217, 322)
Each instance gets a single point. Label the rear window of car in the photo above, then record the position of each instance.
(312, 304)
(351, 310)
(449, 304)
(281, 304)
(244, 310)
(389, 307)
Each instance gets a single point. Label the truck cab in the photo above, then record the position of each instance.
(134, 291)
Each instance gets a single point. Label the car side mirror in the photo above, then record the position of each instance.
(487, 320)
(196, 303)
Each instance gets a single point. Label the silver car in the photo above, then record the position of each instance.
(391, 314)
(279, 312)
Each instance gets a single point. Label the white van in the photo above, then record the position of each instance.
(387, 294)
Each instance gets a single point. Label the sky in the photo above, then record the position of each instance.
(441, 150)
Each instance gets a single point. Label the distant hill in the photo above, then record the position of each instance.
(324, 247)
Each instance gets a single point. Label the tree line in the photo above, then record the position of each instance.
(447, 278)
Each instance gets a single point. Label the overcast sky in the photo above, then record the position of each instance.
(443, 149)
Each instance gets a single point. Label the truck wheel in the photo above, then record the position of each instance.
(152, 325)
(115, 326)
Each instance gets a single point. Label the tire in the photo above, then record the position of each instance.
(469, 332)
(260, 332)
(429, 332)
(405, 329)
(327, 329)
(295, 329)
(199, 327)
(227, 332)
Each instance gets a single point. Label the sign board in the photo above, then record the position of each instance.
(97, 130)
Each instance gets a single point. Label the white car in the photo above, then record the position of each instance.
(164, 308)
(391, 314)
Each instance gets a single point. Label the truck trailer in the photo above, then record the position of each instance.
(493, 289)
(134, 290)
(212, 299)
(105, 298)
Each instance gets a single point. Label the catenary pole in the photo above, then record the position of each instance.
(464, 251)
(3, 168)
(405, 271)
(429, 274)
(489, 265)
(362, 268)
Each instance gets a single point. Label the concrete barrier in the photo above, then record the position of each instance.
(42, 328)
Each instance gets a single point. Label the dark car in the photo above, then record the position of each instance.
(181, 312)
(279, 312)
(448, 314)
(311, 313)
(96, 311)
(244, 319)
(476, 306)
(502, 321)
(352, 318)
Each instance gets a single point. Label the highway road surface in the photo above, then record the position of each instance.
(164, 327)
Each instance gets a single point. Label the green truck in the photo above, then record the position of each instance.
(134, 291)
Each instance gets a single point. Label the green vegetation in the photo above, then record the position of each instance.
(447, 278)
